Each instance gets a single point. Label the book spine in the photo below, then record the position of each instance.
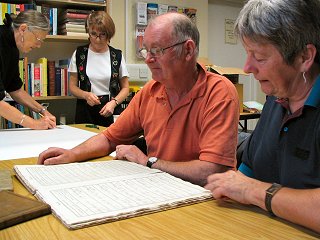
(58, 81)
(31, 78)
(76, 15)
(51, 77)
(22, 7)
(18, 9)
(36, 80)
(45, 11)
(26, 74)
(44, 76)
(55, 21)
(4, 10)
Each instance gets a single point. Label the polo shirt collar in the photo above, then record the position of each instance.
(314, 97)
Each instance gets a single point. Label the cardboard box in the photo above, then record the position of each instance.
(229, 72)
(239, 88)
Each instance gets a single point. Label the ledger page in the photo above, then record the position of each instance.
(107, 200)
(35, 176)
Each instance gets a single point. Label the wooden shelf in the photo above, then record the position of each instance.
(17, 1)
(72, 4)
(53, 98)
(65, 38)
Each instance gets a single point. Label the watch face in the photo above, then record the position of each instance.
(153, 159)
(274, 188)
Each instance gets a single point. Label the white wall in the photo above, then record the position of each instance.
(229, 55)
(202, 23)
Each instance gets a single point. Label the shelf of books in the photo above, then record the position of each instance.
(67, 17)
(44, 73)
(44, 80)
(85, 4)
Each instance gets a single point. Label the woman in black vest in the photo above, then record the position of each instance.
(23, 33)
(98, 74)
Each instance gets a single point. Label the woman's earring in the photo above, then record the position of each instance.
(304, 77)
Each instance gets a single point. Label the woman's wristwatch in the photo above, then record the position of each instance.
(270, 192)
(116, 100)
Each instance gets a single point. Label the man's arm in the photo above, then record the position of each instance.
(195, 171)
(295, 205)
(94, 147)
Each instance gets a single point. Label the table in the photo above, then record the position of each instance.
(245, 117)
(206, 220)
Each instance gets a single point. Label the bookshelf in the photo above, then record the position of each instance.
(57, 47)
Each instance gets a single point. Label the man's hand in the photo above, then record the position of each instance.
(53, 156)
(131, 153)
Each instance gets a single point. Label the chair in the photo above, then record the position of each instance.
(243, 138)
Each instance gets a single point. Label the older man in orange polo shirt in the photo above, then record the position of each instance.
(189, 116)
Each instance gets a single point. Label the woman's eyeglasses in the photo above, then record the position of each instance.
(38, 39)
(95, 35)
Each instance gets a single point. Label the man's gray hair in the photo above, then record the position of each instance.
(183, 29)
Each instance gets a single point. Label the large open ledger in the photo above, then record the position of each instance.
(90, 193)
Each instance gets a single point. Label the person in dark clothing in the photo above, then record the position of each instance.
(22, 33)
(280, 169)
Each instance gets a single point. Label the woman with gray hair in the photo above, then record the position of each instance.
(23, 33)
(280, 170)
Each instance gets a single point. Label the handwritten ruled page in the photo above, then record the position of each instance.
(43, 176)
(109, 191)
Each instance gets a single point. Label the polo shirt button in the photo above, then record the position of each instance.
(285, 129)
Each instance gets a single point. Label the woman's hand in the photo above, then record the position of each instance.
(92, 99)
(46, 122)
(108, 109)
(233, 185)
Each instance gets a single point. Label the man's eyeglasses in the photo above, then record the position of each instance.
(38, 39)
(157, 51)
(95, 35)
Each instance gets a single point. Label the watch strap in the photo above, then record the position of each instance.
(151, 161)
(270, 192)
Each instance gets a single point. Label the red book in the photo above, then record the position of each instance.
(37, 80)
(51, 78)
(77, 15)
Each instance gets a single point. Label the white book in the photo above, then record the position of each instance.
(90, 193)
(77, 34)
(55, 21)
(162, 9)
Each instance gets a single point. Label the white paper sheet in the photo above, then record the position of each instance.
(24, 142)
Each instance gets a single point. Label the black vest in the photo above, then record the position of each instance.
(81, 62)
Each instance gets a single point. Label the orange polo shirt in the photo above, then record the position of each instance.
(203, 125)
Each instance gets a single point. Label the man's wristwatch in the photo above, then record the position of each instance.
(151, 161)
(270, 192)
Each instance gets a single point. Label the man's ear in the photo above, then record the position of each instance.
(307, 57)
(190, 48)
